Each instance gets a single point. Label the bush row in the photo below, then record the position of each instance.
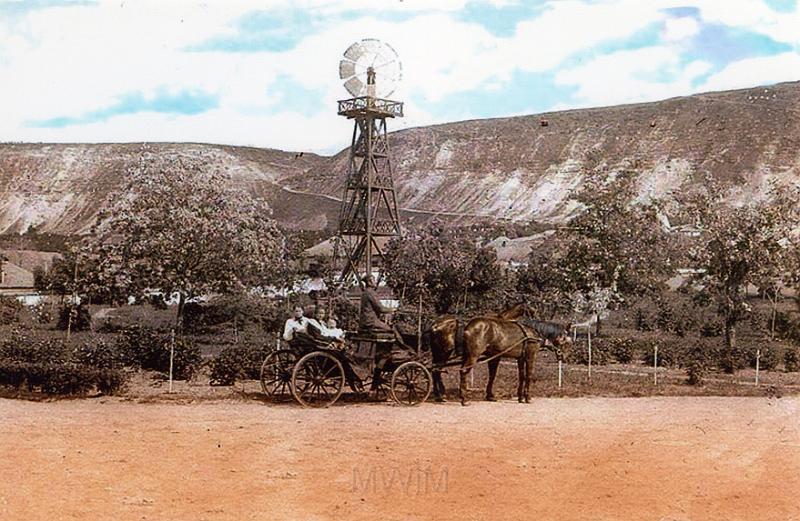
(696, 354)
(54, 366)
(238, 362)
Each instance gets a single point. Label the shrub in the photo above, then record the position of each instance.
(186, 362)
(145, 348)
(579, 354)
(623, 350)
(241, 309)
(791, 360)
(237, 362)
(66, 378)
(10, 310)
(19, 347)
(81, 320)
(51, 367)
(96, 354)
(771, 355)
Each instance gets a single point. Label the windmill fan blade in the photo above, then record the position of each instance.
(370, 54)
(354, 52)
(355, 86)
(347, 69)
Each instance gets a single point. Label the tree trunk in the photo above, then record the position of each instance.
(179, 313)
(730, 344)
(598, 328)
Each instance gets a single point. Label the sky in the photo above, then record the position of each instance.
(265, 73)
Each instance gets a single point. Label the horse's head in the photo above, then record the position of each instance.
(562, 342)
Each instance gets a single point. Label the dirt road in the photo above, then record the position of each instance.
(605, 459)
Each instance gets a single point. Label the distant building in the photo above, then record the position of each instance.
(14, 280)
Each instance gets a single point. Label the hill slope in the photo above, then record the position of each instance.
(517, 168)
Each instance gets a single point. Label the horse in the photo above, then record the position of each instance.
(445, 337)
(497, 338)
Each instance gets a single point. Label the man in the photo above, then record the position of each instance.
(371, 309)
(297, 323)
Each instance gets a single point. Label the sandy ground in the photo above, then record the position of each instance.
(595, 458)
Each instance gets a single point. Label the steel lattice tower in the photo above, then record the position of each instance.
(369, 204)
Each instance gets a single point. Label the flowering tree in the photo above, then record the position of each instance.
(741, 245)
(181, 229)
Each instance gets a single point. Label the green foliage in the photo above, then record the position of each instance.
(241, 309)
(623, 350)
(791, 360)
(445, 266)
(81, 320)
(237, 362)
(49, 366)
(579, 354)
(771, 355)
(740, 245)
(96, 353)
(187, 230)
(10, 310)
(611, 251)
(148, 349)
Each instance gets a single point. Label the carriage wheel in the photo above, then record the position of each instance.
(317, 380)
(276, 373)
(411, 383)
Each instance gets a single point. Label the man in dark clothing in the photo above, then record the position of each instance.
(369, 318)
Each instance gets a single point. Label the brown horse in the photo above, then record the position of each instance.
(445, 338)
(494, 339)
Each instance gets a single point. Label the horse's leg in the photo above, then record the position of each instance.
(493, 365)
(530, 359)
(438, 386)
(520, 378)
(466, 367)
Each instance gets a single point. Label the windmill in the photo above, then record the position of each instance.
(370, 70)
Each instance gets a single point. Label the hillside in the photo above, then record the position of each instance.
(515, 168)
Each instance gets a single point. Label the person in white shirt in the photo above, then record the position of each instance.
(297, 323)
(322, 326)
(334, 331)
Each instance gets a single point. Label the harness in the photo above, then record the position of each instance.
(525, 339)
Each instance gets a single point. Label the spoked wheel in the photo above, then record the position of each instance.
(317, 380)
(276, 373)
(411, 383)
(378, 392)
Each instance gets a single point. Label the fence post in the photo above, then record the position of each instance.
(655, 364)
(560, 372)
(758, 364)
(589, 337)
(419, 323)
(171, 357)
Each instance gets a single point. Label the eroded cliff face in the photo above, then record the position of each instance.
(516, 168)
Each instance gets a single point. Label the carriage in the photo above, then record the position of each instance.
(316, 370)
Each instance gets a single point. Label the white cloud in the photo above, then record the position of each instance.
(647, 74)
(766, 69)
(69, 61)
(755, 16)
(679, 29)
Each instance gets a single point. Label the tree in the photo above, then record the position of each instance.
(443, 266)
(741, 245)
(615, 248)
(179, 228)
